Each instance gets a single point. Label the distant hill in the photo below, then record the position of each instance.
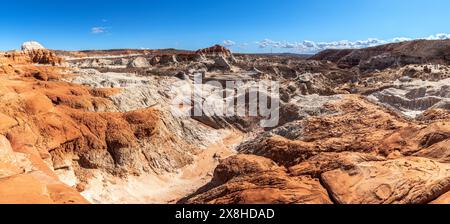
(390, 55)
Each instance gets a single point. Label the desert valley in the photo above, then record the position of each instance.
(357, 126)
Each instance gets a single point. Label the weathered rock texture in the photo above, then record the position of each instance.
(409, 180)
(38, 56)
(360, 154)
(114, 126)
(247, 179)
(25, 179)
(139, 62)
(71, 130)
(215, 50)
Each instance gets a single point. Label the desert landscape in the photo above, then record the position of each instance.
(356, 126)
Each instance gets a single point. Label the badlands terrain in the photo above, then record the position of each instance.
(363, 126)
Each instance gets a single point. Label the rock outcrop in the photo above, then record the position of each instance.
(139, 62)
(24, 179)
(31, 46)
(409, 180)
(367, 160)
(256, 180)
(165, 59)
(215, 50)
(44, 57)
(222, 63)
(413, 97)
(77, 132)
(39, 56)
(390, 55)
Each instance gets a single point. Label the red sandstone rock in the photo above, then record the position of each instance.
(215, 50)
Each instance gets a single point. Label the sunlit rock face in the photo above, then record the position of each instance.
(119, 126)
(32, 45)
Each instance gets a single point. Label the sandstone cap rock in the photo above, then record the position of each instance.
(32, 45)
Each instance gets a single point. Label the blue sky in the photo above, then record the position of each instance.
(245, 25)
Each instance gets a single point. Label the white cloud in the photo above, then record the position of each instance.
(400, 39)
(229, 43)
(307, 46)
(439, 36)
(268, 43)
(98, 30)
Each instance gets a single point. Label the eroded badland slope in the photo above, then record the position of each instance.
(356, 126)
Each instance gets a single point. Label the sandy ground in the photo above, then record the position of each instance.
(163, 189)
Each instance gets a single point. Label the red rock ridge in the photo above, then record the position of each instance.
(40, 56)
(215, 50)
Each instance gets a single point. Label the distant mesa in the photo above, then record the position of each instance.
(32, 45)
(215, 50)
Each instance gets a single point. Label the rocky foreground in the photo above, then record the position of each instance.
(369, 126)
